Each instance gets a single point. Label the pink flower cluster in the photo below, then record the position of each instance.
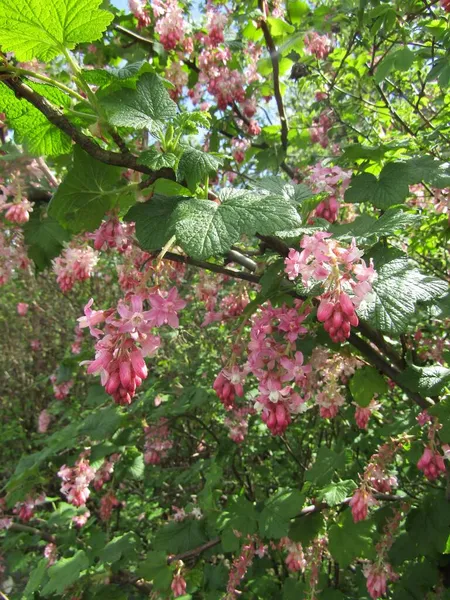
(178, 585)
(239, 148)
(157, 442)
(61, 390)
(278, 367)
(74, 264)
(363, 414)
(318, 45)
(44, 421)
(237, 423)
(124, 343)
(17, 212)
(103, 474)
(22, 308)
(76, 480)
(431, 463)
(295, 560)
(332, 180)
(176, 75)
(375, 479)
(25, 510)
(239, 568)
(318, 133)
(139, 10)
(170, 23)
(345, 277)
(51, 553)
(12, 254)
(108, 503)
(229, 384)
(113, 234)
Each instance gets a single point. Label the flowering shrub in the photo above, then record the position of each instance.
(224, 300)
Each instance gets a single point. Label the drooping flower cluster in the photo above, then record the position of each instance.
(25, 510)
(295, 560)
(278, 367)
(331, 180)
(51, 553)
(124, 343)
(326, 383)
(62, 389)
(74, 264)
(178, 585)
(363, 414)
(139, 10)
(22, 309)
(103, 474)
(237, 423)
(345, 277)
(380, 572)
(239, 148)
(157, 442)
(318, 133)
(170, 23)
(108, 503)
(76, 481)
(44, 421)
(239, 568)
(113, 234)
(376, 479)
(17, 212)
(318, 45)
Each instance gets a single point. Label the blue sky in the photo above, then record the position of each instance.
(120, 3)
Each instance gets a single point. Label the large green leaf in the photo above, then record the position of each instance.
(195, 165)
(366, 229)
(279, 509)
(396, 291)
(325, 466)
(126, 545)
(180, 537)
(145, 107)
(305, 529)
(365, 383)
(392, 187)
(204, 228)
(37, 29)
(349, 540)
(65, 572)
(31, 128)
(429, 381)
(44, 238)
(87, 193)
(154, 223)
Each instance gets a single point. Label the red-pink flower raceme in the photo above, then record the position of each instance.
(103, 474)
(240, 567)
(124, 343)
(17, 212)
(22, 308)
(157, 442)
(44, 421)
(318, 45)
(295, 560)
(76, 480)
(74, 264)
(376, 478)
(432, 462)
(25, 510)
(362, 414)
(178, 585)
(61, 390)
(108, 503)
(237, 423)
(332, 180)
(113, 234)
(170, 23)
(138, 8)
(345, 277)
(318, 133)
(51, 553)
(229, 384)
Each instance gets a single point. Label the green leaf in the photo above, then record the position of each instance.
(154, 224)
(146, 107)
(189, 122)
(241, 515)
(295, 193)
(195, 166)
(101, 77)
(293, 589)
(65, 572)
(36, 29)
(336, 493)
(279, 509)
(305, 529)
(156, 570)
(44, 238)
(392, 187)
(87, 193)
(441, 410)
(157, 160)
(365, 383)
(366, 228)
(429, 381)
(102, 423)
(31, 128)
(398, 288)
(125, 546)
(204, 228)
(137, 468)
(325, 466)
(348, 540)
(175, 537)
(279, 27)
(36, 578)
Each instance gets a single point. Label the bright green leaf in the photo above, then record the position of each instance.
(365, 383)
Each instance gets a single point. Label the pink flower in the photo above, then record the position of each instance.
(76, 481)
(107, 504)
(178, 585)
(377, 576)
(44, 421)
(164, 308)
(295, 369)
(81, 520)
(91, 319)
(51, 554)
(360, 502)
(134, 319)
(293, 264)
(431, 463)
(22, 309)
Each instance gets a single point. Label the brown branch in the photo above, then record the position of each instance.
(27, 529)
(276, 75)
(179, 258)
(194, 551)
(57, 118)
